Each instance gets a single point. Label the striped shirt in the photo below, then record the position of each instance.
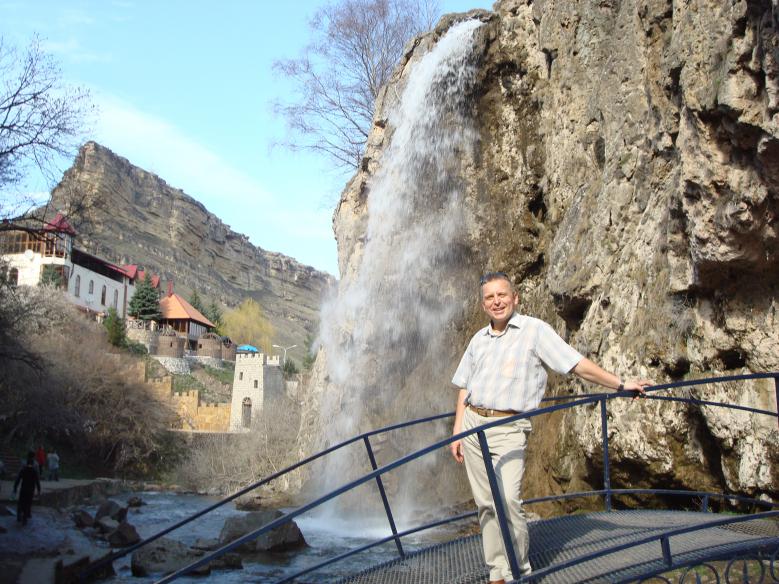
(505, 371)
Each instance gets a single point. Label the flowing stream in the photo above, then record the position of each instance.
(325, 539)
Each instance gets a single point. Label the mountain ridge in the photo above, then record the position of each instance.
(134, 216)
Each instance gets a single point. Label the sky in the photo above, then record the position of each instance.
(185, 89)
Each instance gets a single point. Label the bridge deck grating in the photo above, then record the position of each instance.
(557, 540)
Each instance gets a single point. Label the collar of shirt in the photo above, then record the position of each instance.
(515, 321)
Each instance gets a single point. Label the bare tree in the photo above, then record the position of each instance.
(357, 45)
(41, 118)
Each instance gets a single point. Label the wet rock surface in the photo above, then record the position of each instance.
(284, 538)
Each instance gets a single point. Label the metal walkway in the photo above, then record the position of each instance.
(556, 541)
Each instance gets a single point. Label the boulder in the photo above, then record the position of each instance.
(205, 544)
(286, 537)
(111, 509)
(106, 524)
(82, 519)
(123, 535)
(69, 573)
(228, 561)
(164, 556)
(135, 502)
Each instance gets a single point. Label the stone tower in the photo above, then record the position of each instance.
(258, 379)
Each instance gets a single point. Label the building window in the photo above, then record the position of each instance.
(246, 413)
(240, 376)
(77, 287)
(116, 299)
(13, 277)
(91, 286)
(13, 242)
(255, 384)
(102, 295)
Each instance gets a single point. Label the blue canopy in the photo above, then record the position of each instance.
(248, 348)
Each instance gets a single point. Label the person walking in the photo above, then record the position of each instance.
(502, 374)
(53, 462)
(40, 458)
(28, 478)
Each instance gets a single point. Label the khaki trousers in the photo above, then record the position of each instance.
(507, 445)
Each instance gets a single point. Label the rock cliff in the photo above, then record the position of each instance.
(626, 173)
(133, 216)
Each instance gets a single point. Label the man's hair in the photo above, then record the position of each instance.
(490, 276)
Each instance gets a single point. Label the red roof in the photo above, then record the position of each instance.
(59, 225)
(135, 273)
(174, 307)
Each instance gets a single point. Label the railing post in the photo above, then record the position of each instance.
(384, 499)
(776, 387)
(500, 510)
(604, 430)
(665, 543)
(705, 504)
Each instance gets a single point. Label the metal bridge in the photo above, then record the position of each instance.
(608, 546)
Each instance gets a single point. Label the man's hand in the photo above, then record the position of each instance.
(456, 448)
(637, 387)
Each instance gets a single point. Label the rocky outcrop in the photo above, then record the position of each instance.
(625, 174)
(129, 215)
(284, 538)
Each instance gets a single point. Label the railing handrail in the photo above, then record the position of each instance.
(571, 401)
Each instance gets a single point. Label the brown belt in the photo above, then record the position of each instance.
(489, 413)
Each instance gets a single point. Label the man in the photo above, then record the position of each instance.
(28, 477)
(501, 374)
(53, 462)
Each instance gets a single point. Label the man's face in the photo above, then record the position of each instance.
(498, 301)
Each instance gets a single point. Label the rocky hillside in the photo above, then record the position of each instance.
(625, 171)
(133, 216)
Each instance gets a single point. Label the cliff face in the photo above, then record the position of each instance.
(626, 173)
(133, 216)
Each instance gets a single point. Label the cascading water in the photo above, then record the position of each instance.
(384, 334)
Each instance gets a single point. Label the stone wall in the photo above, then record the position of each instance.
(199, 416)
(171, 346)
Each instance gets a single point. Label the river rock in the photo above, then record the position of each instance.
(164, 556)
(123, 535)
(69, 573)
(228, 561)
(205, 544)
(286, 537)
(135, 502)
(112, 509)
(106, 524)
(82, 519)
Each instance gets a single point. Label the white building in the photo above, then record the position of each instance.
(90, 282)
(258, 380)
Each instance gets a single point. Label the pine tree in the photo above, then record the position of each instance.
(115, 327)
(308, 360)
(197, 303)
(213, 313)
(145, 303)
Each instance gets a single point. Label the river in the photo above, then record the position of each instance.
(325, 537)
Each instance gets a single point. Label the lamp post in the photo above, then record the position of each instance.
(285, 349)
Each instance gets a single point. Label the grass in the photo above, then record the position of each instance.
(186, 382)
(224, 376)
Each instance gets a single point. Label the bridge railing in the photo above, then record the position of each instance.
(376, 474)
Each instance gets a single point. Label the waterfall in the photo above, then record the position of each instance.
(390, 319)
